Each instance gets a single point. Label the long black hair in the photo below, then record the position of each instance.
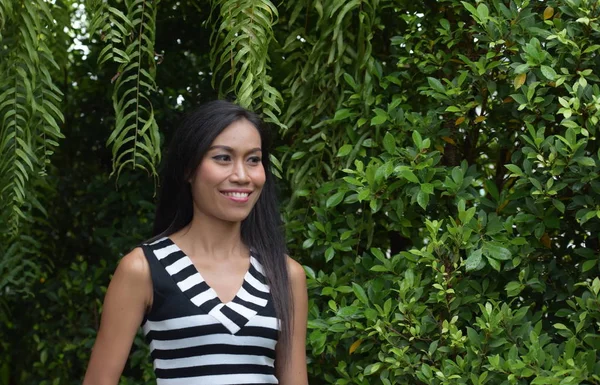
(262, 230)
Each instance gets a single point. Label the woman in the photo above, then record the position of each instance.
(218, 299)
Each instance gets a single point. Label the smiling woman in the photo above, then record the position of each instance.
(217, 297)
(230, 179)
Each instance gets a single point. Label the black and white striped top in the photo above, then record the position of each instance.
(194, 338)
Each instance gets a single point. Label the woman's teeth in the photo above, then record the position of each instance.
(237, 194)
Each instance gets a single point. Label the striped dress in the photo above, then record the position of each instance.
(194, 338)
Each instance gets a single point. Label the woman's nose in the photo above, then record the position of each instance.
(240, 173)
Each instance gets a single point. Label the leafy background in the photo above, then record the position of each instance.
(438, 167)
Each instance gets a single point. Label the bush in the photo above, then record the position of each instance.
(447, 202)
(49, 335)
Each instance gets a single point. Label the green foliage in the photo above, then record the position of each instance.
(240, 54)
(29, 129)
(444, 194)
(29, 102)
(48, 336)
(52, 282)
(129, 38)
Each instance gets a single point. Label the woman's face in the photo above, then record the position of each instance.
(230, 177)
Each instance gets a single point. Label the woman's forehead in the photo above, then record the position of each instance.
(239, 134)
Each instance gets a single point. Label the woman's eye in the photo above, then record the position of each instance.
(255, 159)
(222, 158)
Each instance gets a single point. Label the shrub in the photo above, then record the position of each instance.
(447, 202)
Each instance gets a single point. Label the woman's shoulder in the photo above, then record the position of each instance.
(135, 265)
(295, 271)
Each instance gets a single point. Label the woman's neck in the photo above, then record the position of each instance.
(212, 237)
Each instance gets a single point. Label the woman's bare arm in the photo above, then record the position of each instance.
(128, 296)
(294, 373)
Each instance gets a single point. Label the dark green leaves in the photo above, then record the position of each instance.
(240, 56)
(30, 110)
(135, 140)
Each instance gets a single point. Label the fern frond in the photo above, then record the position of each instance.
(329, 65)
(339, 44)
(58, 39)
(17, 269)
(240, 54)
(29, 107)
(6, 9)
(130, 36)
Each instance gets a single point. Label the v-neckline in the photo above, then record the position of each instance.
(210, 288)
(251, 297)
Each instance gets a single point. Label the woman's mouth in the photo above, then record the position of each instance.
(237, 196)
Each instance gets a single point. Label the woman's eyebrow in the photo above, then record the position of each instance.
(230, 149)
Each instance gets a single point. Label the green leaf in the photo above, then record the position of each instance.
(409, 175)
(514, 169)
(378, 254)
(342, 114)
(483, 12)
(372, 369)
(584, 20)
(470, 8)
(335, 199)
(494, 360)
(329, 253)
(417, 139)
(537, 184)
(436, 85)
(378, 119)
(360, 293)
(308, 243)
(457, 176)
(474, 260)
(298, 155)
(514, 288)
(364, 194)
(496, 251)
(522, 68)
(389, 143)
(473, 336)
(560, 326)
(548, 72)
(585, 161)
(275, 162)
(494, 263)
(592, 48)
(379, 268)
(432, 347)
(427, 188)
(588, 265)
(559, 205)
(422, 199)
(348, 78)
(519, 98)
(344, 150)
